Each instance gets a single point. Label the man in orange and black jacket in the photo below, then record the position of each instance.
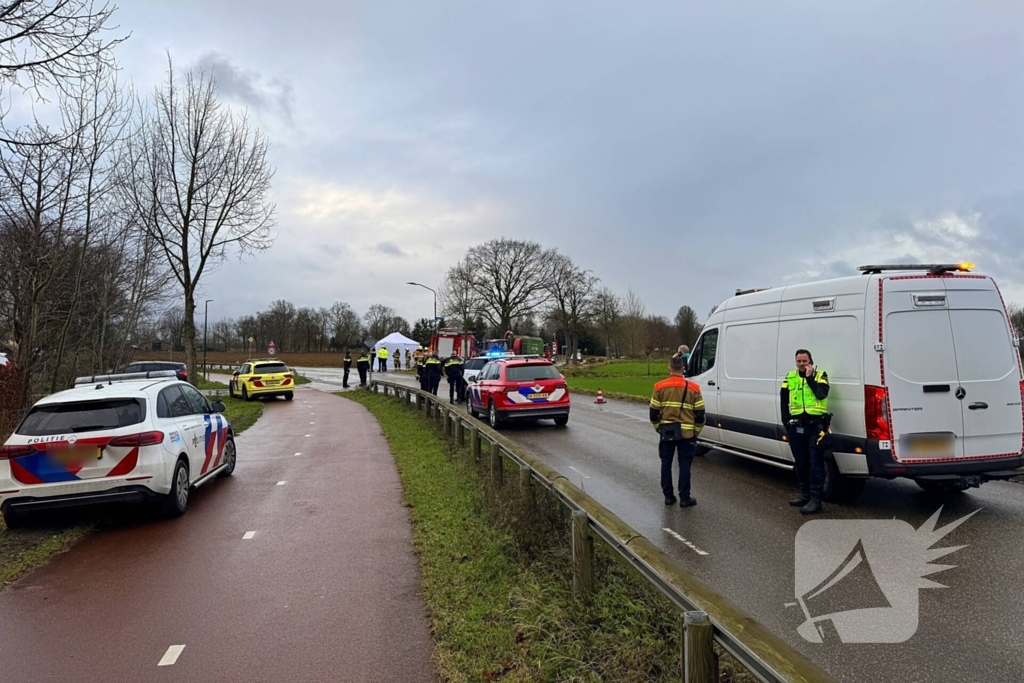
(677, 413)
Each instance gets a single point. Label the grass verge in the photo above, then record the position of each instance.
(205, 384)
(241, 414)
(497, 575)
(628, 380)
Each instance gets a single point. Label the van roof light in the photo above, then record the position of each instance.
(741, 292)
(934, 268)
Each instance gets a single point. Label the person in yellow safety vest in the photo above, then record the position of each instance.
(396, 362)
(805, 415)
(363, 366)
(677, 413)
(382, 359)
(408, 359)
(456, 384)
(421, 375)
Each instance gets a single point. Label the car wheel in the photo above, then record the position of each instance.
(230, 456)
(470, 409)
(701, 450)
(13, 519)
(562, 420)
(289, 396)
(492, 416)
(245, 394)
(838, 487)
(175, 502)
(231, 388)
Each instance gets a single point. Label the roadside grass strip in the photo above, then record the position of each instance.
(207, 384)
(497, 575)
(241, 414)
(24, 550)
(627, 380)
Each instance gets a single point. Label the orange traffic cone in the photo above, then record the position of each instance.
(600, 396)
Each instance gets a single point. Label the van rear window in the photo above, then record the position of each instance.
(475, 363)
(270, 368)
(82, 416)
(984, 349)
(528, 373)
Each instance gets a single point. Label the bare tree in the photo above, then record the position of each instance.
(347, 329)
(382, 320)
(687, 326)
(197, 176)
(51, 43)
(572, 293)
(460, 302)
(509, 278)
(633, 327)
(1016, 312)
(607, 315)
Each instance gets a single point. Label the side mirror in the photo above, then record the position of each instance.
(218, 406)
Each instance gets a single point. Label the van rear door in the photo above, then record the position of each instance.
(988, 368)
(920, 370)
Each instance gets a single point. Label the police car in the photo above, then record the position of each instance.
(115, 438)
(519, 388)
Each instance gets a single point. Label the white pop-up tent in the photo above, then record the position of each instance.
(396, 342)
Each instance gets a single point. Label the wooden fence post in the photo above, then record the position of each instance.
(460, 431)
(497, 468)
(447, 417)
(582, 556)
(700, 663)
(474, 440)
(526, 485)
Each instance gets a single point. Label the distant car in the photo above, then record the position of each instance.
(111, 439)
(265, 377)
(518, 388)
(472, 367)
(156, 366)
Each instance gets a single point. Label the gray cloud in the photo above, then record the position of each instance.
(248, 87)
(389, 249)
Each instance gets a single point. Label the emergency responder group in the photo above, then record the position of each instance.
(677, 412)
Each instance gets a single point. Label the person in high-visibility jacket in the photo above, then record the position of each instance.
(421, 372)
(408, 359)
(805, 415)
(433, 368)
(382, 359)
(363, 366)
(453, 368)
(677, 413)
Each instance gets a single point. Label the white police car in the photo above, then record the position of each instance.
(115, 438)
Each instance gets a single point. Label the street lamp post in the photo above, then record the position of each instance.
(206, 313)
(435, 301)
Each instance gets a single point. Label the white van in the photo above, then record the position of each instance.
(924, 369)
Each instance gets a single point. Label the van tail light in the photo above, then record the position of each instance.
(10, 452)
(876, 413)
(133, 440)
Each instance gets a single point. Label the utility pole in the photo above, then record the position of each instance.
(435, 301)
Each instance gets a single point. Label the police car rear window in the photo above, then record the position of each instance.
(528, 373)
(270, 368)
(82, 416)
(475, 363)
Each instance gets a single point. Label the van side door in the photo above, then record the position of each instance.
(703, 370)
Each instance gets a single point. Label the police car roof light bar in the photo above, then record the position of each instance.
(933, 268)
(124, 377)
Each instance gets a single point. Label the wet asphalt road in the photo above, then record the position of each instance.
(971, 631)
(326, 589)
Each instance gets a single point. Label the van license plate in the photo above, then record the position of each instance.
(930, 446)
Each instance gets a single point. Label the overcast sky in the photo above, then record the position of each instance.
(682, 149)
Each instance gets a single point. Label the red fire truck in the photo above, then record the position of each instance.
(445, 341)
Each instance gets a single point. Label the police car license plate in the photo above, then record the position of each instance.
(538, 395)
(76, 456)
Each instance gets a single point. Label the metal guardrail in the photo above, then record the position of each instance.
(765, 655)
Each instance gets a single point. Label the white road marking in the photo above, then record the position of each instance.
(312, 423)
(298, 454)
(688, 544)
(171, 656)
(248, 535)
(280, 483)
(307, 436)
(578, 472)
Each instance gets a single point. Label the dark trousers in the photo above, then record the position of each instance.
(809, 456)
(460, 389)
(433, 382)
(362, 375)
(344, 379)
(382, 364)
(667, 451)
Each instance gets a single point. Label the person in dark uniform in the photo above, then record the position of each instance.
(363, 366)
(347, 363)
(421, 368)
(433, 368)
(453, 368)
(804, 396)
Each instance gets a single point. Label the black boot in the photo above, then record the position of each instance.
(670, 500)
(813, 506)
(687, 502)
(801, 498)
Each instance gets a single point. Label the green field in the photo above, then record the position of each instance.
(623, 379)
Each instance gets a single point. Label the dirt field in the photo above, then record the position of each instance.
(309, 360)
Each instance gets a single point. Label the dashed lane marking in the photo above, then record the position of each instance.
(578, 472)
(688, 544)
(280, 483)
(171, 656)
(248, 535)
(312, 423)
(307, 436)
(298, 454)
